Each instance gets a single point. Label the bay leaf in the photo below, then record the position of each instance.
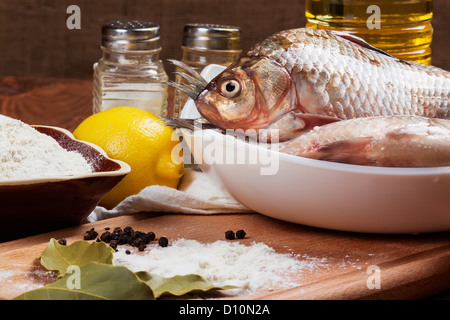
(97, 281)
(57, 257)
(178, 285)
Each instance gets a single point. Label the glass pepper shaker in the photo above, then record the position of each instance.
(130, 72)
(205, 44)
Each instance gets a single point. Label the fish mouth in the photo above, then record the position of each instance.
(208, 111)
(195, 82)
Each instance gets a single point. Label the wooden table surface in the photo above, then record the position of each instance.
(411, 266)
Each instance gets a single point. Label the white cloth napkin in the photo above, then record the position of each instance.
(197, 194)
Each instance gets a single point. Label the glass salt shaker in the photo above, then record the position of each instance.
(130, 72)
(205, 44)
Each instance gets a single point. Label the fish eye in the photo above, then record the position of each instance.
(230, 88)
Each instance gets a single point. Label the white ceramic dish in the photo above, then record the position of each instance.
(324, 194)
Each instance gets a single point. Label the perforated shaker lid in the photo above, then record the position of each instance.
(212, 36)
(131, 35)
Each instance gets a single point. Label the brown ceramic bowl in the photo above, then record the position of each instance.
(35, 206)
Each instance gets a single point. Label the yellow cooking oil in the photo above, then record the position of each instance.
(400, 27)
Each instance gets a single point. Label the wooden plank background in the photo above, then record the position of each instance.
(36, 42)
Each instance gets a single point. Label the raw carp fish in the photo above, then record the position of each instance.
(390, 141)
(300, 79)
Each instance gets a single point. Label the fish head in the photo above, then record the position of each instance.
(250, 94)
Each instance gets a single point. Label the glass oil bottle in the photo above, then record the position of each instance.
(402, 27)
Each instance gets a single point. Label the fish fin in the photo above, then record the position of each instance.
(359, 41)
(315, 120)
(363, 43)
(194, 75)
(191, 124)
(194, 83)
(353, 151)
(292, 124)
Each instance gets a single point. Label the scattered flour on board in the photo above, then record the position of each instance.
(252, 267)
(15, 279)
(26, 153)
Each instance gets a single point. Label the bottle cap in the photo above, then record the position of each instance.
(212, 36)
(131, 36)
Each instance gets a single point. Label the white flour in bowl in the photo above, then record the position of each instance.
(250, 267)
(27, 154)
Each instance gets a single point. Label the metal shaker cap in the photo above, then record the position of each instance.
(212, 36)
(131, 36)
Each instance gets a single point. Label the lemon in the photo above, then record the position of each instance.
(140, 139)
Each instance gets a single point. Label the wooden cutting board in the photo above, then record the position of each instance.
(410, 266)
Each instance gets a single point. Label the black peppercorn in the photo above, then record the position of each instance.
(149, 236)
(163, 242)
(139, 234)
(115, 236)
(129, 231)
(91, 235)
(127, 235)
(127, 251)
(229, 235)
(113, 244)
(123, 238)
(137, 242)
(106, 237)
(240, 234)
(62, 242)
